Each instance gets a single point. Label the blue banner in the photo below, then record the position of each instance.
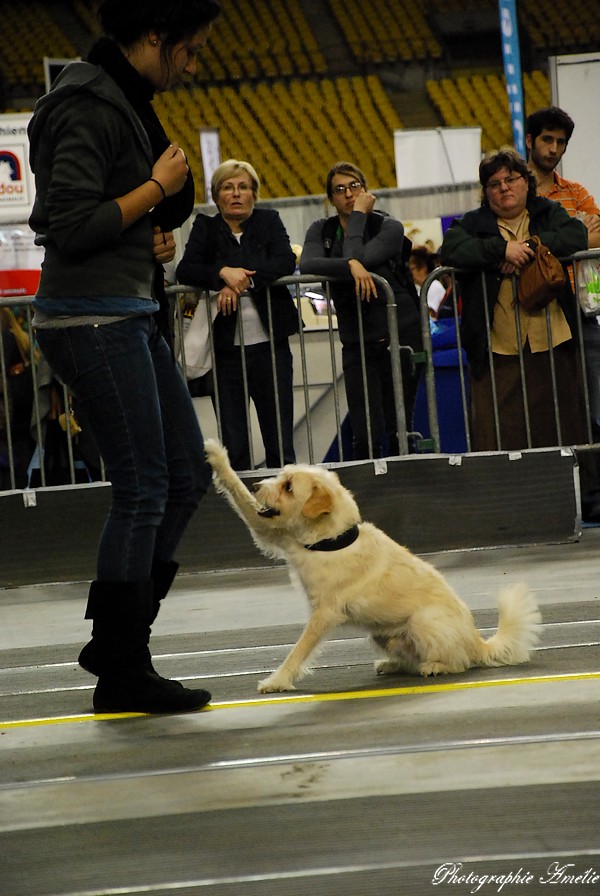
(509, 32)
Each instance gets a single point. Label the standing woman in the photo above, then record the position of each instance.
(110, 188)
(237, 254)
(349, 245)
(492, 242)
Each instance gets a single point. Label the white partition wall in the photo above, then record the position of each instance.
(574, 84)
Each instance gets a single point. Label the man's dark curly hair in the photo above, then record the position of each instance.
(550, 119)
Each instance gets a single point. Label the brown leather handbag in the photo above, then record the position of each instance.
(542, 280)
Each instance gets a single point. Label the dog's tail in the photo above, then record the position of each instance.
(519, 623)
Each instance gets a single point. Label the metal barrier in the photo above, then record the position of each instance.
(430, 442)
(296, 282)
(584, 351)
(42, 378)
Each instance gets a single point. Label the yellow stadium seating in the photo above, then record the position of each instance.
(292, 132)
(482, 100)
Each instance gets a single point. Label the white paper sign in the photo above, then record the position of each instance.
(437, 158)
(210, 149)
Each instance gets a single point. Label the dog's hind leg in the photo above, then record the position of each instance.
(294, 665)
(400, 655)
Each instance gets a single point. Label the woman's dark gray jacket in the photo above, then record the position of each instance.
(86, 135)
(380, 253)
(475, 243)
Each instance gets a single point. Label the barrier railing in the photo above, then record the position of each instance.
(32, 365)
(12, 475)
(586, 328)
(296, 282)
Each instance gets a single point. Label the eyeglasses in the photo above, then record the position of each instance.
(236, 188)
(354, 186)
(507, 182)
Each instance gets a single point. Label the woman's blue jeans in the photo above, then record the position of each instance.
(132, 395)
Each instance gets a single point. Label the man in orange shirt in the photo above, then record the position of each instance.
(548, 132)
(547, 135)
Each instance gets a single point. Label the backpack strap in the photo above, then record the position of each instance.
(330, 232)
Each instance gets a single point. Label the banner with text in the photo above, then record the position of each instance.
(17, 189)
(509, 30)
(210, 150)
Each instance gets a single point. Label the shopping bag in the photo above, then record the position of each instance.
(196, 339)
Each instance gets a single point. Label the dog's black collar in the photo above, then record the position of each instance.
(335, 544)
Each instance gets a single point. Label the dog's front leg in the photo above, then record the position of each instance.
(294, 665)
(229, 483)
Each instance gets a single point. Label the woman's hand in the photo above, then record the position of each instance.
(364, 283)
(237, 279)
(227, 300)
(164, 246)
(171, 169)
(518, 254)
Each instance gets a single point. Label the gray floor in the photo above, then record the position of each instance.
(351, 785)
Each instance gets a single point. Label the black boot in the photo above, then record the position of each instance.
(163, 574)
(127, 682)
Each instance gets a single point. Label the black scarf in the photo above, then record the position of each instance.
(175, 210)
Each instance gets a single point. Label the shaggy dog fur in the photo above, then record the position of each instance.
(411, 612)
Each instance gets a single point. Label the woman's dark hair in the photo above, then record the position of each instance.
(126, 21)
(344, 168)
(505, 157)
(422, 256)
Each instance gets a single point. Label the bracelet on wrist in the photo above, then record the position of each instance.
(159, 185)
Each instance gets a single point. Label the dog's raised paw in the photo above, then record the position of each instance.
(274, 685)
(216, 454)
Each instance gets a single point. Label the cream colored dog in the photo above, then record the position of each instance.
(351, 571)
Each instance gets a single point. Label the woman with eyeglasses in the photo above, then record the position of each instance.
(352, 244)
(237, 254)
(491, 241)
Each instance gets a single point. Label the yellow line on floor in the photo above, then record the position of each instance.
(288, 698)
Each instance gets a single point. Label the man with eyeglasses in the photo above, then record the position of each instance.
(353, 244)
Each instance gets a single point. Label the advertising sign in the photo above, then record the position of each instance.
(17, 189)
(512, 70)
(210, 150)
(20, 261)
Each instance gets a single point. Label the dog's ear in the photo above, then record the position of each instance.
(319, 502)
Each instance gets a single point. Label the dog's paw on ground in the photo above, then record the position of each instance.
(275, 685)
(387, 667)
